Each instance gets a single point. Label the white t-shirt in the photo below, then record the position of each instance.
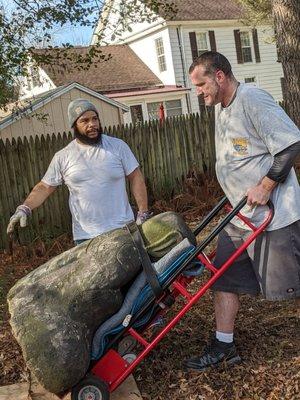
(95, 176)
(249, 133)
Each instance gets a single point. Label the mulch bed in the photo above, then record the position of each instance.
(267, 335)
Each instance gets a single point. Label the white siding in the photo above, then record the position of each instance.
(146, 51)
(180, 56)
(112, 24)
(268, 72)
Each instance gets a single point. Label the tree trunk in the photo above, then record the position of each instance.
(286, 15)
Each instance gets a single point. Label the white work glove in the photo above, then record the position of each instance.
(21, 214)
(142, 216)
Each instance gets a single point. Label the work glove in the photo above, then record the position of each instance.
(21, 214)
(142, 216)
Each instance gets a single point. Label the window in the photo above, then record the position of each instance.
(153, 110)
(246, 47)
(251, 80)
(202, 46)
(159, 45)
(136, 112)
(172, 108)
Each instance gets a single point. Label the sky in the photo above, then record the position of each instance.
(75, 35)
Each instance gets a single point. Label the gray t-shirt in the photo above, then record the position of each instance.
(249, 133)
(95, 176)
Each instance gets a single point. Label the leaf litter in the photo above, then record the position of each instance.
(267, 333)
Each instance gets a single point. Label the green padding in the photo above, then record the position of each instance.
(162, 232)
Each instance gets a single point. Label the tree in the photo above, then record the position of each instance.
(27, 25)
(257, 11)
(284, 15)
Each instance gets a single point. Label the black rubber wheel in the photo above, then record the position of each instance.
(90, 388)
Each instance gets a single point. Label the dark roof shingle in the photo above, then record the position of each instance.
(189, 10)
(122, 71)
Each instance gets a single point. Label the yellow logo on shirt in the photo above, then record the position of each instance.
(240, 146)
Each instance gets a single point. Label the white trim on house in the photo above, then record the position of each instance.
(28, 109)
(206, 22)
(153, 27)
(136, 35)
(143, 100)
(100, 96)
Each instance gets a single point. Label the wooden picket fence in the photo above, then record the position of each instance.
(166, 151)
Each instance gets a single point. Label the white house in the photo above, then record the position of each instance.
(170, 43)
(122, 77)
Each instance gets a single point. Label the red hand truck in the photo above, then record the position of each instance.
(114, 367)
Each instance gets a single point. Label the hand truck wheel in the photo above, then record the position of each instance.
(90, 388)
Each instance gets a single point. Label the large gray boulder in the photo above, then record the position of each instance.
(56, 308)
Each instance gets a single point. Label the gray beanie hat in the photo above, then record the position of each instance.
(77, 108)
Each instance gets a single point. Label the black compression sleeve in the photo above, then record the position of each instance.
(283, 163)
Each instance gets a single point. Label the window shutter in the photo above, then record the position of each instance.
(256, 46)
(194, 47)
(238, 46)
(212, 40)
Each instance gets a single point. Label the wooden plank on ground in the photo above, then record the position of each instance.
(19, 391)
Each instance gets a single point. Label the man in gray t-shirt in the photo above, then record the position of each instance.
(94, 167)
(256, 146)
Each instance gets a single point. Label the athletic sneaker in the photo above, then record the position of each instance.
(216, 354)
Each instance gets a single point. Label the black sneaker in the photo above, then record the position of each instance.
(216, 354)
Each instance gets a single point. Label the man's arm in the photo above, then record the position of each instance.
(138, 189)
(283, 162)
(37, 196)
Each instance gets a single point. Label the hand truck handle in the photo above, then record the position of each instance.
(229, 217)
(219, 227)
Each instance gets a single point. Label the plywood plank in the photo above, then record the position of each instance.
(19, 391)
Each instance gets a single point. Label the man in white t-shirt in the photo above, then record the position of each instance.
(256, 147)
(94, 167)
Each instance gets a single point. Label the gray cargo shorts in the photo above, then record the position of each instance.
(271, 264)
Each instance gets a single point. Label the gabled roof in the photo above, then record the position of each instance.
(30, 105)
(197, 10)
(122, 71)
